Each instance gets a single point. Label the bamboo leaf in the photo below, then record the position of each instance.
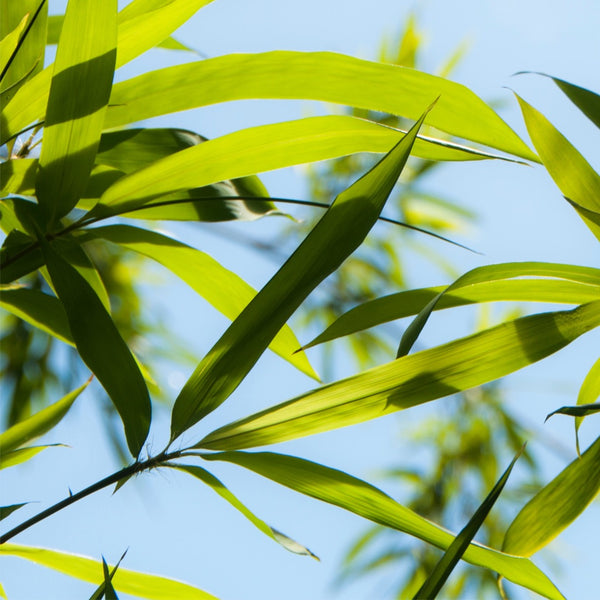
(16, 457)
(79, 92)
(144, 585)
(321, 76)
(411, 380)
(339, 232)
(436, 579)
(36, 425)
(2, 593)
(5, 511)
(16, 257)
(17, 176)
(580, 410)
(102, 348)
(568, 168)
(520, 282)
(589, 392)
(210, 480)
(106, 587)
(556, 506)
(222, 288)
(9, 44)
(361, 498)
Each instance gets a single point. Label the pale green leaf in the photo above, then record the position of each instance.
(313, 76)
(556, 506)
(339, 232)
(102, 348)
(361, 498)
(222, 288)
(3, 593)
(79, 92)
(411, 380)
(9, 43)
(210, 480)
(144, 585)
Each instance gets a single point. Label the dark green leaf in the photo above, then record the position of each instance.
(7, 510)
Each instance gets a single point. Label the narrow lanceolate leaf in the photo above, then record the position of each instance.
(38, 424)
(144, 585)
(5, 511)
(102, 348)
(260, 149)
(589, 392)
(361, 498)
(520, 282)
(313, 76)
(227, 292)
(21, 455)
(141, 26)
(580, 410)
(210, 480)
(106, 589)
(571, 172)
(8, 46)
(79, 92)
(585, 100)
(411, 380)
(556, 506)
(436, 579)
(339, 232)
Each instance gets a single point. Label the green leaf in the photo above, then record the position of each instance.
(38, 424)
(102, 348)
(17, 176)
(361, 498)
(568, 168)
(521, 282)
(436, 579)
(210, 480)
(106, 587)
(339, 232)
(17, 258)
(3, 593)
(589, 392)
(556, 506)
(9, 43)
(313, 76)
(5, 511)
(581, 410)
(144, 585)
(411, 380)
(79, 92)
(222, 288)
(16, 457)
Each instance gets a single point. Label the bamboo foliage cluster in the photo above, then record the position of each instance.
(91, 167)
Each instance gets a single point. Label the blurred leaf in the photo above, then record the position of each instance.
(321, 76)
(339, 232)
(5, 511)
(547, 282)
(437, 578)
(102, 349)
(571, 172)
(38, 424)
(556, 506)
(222, 288)
(358, 497)
(79, 92)
(150, 587)
(210, 480)
(411, 380)
(3, 593)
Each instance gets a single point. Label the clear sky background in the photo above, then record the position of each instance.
(180, 528)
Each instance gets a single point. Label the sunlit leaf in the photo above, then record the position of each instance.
(17, 176)
(361, 498)
(5, 511)
(556, 506)
(411, 380)
(571, 172)
(17, 457)
(144, 585)
(313, 76)
(9, 43)
(436, 579)
(339, 232)
(222, 288)
(589, 392)
(210, 480)
(102, 348)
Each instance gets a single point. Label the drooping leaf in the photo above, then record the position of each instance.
(339, 232)
(144, 585)
(210, 480)
(568, 168)
(436, 579)
(38, 424)
(580, 410)
(313, 76)
(102, 348)
(556, 506)
(589, 392)
(520, 282)
(227, 292)
(411, 380)
(5, 511)
(79, 92)
(365, 500)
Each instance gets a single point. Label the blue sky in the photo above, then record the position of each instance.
(179, 528)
